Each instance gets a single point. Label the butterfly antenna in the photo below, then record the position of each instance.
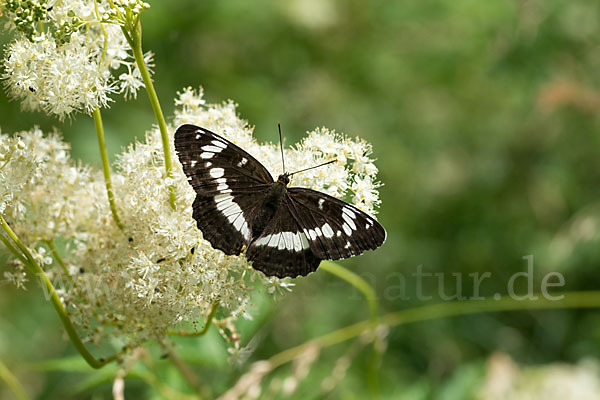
(316, 166)
(281, 146)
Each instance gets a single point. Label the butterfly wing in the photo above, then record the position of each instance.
(282, 249)
(334, 229)
(229, 183)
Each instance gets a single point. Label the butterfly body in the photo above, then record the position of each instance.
(266, 211)
(287, 231)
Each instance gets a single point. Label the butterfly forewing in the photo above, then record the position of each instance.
(283, 249)
(335, 229)
(229, 183)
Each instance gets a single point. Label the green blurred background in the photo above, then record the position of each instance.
(484, 117)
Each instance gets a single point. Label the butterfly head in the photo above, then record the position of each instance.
(284, 179)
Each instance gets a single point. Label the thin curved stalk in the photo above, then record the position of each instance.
(359, 283)
(14, 250)
(12, 382)
(56, 302)
(106, 166)
(201, 332)
(588, 299)
(133, 34)
(58, 258)
(369, 294)
(183, 368)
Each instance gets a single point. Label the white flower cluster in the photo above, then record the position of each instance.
(66, 56)
(40, 167)
(507, 380)
(158, 271)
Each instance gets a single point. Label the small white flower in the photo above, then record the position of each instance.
(73, 67)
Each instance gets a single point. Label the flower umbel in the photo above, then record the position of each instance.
(158, 271)
(66, 57)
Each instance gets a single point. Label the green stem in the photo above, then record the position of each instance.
(56, 302)
(589, 299)
(367, 291)
(11, 381)
(14, 250)
(106, 167)
(133, 34)
(356, 281)
(201, 332)
(105, 44)
(183, 368)
(58, 258)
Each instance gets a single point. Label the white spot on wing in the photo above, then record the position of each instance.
(222, 187)
(246, 231)
(193, 163)
(297, 242)
(231, 218)
(285, 240)
(207, 164)
(263, 240)
(312, 234)
(273, 241)
(239, 222)
(219, 143)
(281, 245)
(348, 210)
(349, 221)
(289, 243)
(217, 172)
(321, 201)
(242, 162)
(206, 155)
(214, 149)
(305, 244)
(327, 231)
(347, 229)
(232, 211)
(198, 136)
(222, 197)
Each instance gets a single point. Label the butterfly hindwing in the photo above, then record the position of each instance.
(229, 183)
(283, 249)
(334, 229)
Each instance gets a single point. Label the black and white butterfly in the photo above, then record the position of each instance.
(287, 231)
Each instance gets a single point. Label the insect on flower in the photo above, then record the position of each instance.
(287, 231)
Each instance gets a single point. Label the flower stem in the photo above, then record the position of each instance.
(56, 302)
(367, 291)
(12, 382)
(133, 34)
(58, 258)
(356, 281)
(106, 167)
(183, 368)
(14, 250)
(587, 299)
(201, 332)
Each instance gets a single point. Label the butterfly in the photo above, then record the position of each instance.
(286, 231)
